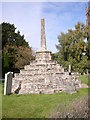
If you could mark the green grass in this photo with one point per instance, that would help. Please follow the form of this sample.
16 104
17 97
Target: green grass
0 100
84 79
35 105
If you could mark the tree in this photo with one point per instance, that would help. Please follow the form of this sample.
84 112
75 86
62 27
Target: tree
15 50
5 62
9 37
72 48
8 33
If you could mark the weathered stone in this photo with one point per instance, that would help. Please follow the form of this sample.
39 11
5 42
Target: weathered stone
43 39
84 85
69 69
8 83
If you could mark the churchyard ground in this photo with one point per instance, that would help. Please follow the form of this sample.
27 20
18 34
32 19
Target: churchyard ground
43 105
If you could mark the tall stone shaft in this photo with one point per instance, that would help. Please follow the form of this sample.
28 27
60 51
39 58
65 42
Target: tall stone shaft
43 38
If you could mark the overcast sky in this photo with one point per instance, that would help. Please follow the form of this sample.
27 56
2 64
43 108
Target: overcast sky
59 17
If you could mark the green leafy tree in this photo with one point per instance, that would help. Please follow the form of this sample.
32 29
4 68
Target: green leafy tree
72 48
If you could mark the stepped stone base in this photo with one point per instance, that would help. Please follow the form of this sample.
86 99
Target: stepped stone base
44 77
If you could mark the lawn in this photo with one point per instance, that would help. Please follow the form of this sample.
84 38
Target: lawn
0 100
84 79
35 105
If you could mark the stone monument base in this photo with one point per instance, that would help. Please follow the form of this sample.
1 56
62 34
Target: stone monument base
43 55
45 77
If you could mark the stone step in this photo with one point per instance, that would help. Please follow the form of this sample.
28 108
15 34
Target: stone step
46 75
38 81
28 67
41 69
38 86
35 64
38 72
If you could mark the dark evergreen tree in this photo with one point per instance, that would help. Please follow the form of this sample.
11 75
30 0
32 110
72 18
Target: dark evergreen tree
15 50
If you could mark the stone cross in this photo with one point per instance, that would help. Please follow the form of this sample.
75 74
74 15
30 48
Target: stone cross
43 39
8 83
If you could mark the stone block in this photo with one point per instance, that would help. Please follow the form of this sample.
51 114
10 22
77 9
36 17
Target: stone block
8 83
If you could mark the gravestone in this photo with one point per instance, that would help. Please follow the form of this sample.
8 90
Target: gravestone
8 83
69 70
